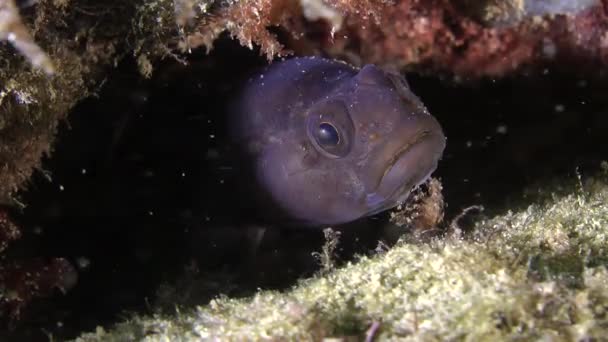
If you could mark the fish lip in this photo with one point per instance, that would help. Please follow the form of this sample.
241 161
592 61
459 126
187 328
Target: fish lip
419 138
401 192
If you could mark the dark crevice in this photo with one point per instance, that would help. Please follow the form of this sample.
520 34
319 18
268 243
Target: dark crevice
140 189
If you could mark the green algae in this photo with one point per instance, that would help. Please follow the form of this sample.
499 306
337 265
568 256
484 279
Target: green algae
539 273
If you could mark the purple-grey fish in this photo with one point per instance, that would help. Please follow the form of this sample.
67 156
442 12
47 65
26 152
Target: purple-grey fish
329 143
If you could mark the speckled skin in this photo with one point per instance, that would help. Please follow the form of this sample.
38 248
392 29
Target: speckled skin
388 143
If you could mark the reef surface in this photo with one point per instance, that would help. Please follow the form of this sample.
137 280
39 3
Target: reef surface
536 273
67 64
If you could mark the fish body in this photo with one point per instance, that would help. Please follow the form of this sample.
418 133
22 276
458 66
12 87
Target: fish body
329 143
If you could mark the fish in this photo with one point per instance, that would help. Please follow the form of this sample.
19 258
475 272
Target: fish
328 143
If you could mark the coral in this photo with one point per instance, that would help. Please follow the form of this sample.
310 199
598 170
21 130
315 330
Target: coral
467 38
473 41
537 273
248 21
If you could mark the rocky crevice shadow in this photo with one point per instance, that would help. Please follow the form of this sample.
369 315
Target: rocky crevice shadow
142 187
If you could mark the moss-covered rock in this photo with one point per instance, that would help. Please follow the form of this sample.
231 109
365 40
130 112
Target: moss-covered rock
534 274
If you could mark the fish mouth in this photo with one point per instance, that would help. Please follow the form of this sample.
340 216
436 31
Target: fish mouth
418 138
409 167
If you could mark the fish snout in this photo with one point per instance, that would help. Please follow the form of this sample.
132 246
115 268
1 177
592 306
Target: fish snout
409 158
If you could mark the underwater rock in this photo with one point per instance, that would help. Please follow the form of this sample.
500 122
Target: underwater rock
82 40
520 275
23 280
473 39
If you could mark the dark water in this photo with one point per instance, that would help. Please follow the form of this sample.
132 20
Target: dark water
141 190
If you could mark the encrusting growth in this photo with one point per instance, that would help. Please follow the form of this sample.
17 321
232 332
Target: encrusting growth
13 30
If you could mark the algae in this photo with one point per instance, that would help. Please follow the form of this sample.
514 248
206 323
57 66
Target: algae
77 42
539 273
535 273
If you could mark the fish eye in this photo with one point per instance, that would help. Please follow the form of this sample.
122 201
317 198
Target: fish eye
330 128
327 135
